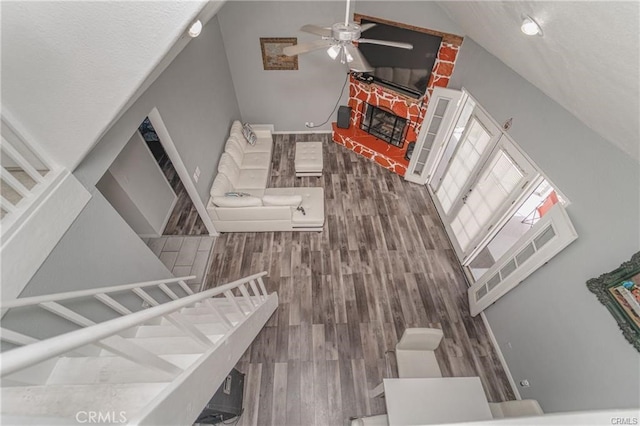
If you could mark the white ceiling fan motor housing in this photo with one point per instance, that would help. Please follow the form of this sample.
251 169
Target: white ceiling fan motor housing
342 32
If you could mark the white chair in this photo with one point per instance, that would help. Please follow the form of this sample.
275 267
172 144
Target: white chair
414 353
380 420
521 408
415 356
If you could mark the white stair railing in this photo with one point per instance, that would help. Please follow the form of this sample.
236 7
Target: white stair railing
106 334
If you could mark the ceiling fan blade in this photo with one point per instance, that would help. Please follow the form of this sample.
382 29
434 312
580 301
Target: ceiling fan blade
386 43
298 49
317 30
365 27
357 62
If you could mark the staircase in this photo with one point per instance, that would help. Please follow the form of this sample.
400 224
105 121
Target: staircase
159 365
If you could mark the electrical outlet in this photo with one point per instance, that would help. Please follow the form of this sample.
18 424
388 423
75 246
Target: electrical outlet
524 383
196 174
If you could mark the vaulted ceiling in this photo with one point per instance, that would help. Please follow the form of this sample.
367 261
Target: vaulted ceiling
587 59
77 65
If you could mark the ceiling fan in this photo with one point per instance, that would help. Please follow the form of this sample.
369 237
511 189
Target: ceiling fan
338 40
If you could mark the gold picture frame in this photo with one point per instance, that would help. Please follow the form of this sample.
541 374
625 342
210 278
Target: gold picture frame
272 56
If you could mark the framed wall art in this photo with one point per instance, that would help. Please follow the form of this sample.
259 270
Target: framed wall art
272 56
619 291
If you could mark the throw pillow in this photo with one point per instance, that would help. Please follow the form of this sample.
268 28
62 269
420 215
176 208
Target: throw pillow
282 200
237 194
249 134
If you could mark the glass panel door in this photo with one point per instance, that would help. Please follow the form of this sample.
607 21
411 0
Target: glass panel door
501 181
473 145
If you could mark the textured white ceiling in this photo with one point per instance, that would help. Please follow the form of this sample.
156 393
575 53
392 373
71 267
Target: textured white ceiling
69 67
587 60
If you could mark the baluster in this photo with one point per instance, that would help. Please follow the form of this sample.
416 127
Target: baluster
178 320
255 290
232 299
145 296
21 161
185 287
219 313
110 302
262 287
168 291
245 294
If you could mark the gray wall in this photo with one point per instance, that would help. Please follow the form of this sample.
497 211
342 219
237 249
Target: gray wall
563 340
148 198
197 102
110 189
288 99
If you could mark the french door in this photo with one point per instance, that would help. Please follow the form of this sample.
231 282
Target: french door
485 175
484 188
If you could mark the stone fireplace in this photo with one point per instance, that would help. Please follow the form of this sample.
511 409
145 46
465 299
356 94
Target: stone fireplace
382 109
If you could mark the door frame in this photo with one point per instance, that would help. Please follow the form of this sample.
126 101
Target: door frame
171 150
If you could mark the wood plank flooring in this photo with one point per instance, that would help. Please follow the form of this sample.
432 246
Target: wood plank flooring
184 219
381 264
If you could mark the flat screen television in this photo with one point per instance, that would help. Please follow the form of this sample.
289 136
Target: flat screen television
406 71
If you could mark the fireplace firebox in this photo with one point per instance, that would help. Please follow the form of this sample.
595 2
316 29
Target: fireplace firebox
384 125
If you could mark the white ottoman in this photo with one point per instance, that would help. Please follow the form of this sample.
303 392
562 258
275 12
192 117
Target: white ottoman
308 161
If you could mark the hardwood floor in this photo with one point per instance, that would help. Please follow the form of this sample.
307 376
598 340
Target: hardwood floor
184 219
381 264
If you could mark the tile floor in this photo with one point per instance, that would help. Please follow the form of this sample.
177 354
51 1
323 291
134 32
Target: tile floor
184 255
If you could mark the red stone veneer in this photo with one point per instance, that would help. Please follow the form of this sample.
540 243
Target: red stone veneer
411 109
388 156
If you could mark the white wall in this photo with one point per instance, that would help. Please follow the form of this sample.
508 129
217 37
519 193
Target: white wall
562 339
288 99
69 67
147 192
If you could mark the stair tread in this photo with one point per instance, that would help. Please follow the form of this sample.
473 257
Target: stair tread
165 330
165 345
111 369
67 400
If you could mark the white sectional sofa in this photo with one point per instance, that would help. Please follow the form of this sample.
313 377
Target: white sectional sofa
245 169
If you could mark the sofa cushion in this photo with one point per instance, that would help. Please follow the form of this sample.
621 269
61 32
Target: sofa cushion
256 160
263 144
242 178
282 200
228 167
235 150
236 130
221 185
312 203
252 179
247 201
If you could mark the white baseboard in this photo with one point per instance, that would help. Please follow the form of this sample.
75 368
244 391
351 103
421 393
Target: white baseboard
304 132
503 361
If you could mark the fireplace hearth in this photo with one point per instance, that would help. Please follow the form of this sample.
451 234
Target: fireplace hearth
383 125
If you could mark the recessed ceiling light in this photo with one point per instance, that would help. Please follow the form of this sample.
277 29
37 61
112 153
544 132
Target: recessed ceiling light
530 27
195 28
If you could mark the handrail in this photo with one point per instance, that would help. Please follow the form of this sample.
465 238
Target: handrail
26 356
56 297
